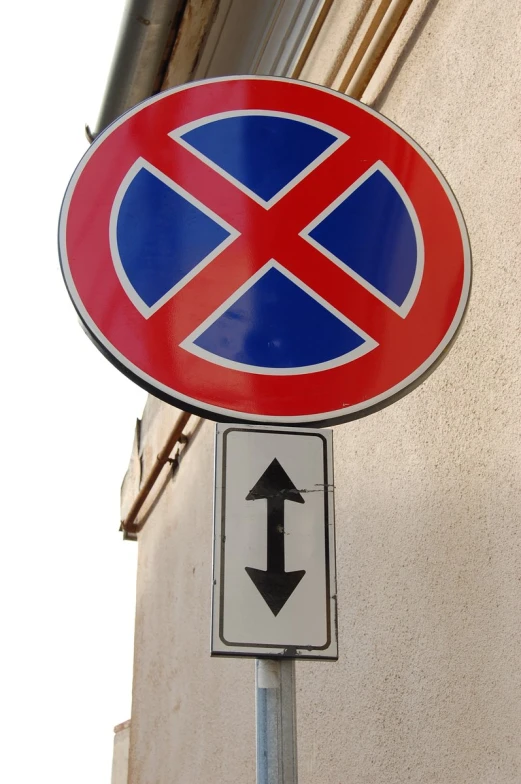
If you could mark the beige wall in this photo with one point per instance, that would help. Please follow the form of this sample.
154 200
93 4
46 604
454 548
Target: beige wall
120 754
428 685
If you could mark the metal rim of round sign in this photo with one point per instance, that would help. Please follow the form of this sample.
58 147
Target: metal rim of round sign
408 344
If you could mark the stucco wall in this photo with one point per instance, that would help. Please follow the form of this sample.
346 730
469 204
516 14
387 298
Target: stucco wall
428 492
120 755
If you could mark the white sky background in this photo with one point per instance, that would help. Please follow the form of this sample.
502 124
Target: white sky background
67 579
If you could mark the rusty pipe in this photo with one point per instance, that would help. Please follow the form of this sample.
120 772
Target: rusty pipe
128 524
375 48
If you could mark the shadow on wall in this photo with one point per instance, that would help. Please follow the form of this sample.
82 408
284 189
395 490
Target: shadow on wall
425 688
381 97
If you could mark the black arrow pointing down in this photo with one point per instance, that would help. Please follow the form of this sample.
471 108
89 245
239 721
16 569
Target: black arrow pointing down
275 584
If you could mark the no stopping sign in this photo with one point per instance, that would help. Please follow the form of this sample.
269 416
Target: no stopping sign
265 250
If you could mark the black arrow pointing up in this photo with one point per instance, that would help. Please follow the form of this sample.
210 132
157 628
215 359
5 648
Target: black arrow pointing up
275 585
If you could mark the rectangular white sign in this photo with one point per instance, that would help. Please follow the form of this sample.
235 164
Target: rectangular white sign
274 586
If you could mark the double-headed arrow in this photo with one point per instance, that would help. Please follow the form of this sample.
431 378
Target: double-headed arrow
275 585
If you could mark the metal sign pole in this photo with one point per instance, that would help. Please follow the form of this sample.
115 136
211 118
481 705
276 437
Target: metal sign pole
276 710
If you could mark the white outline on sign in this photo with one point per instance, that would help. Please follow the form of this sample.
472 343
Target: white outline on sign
131 292
327 416
340 139
189 343
403 309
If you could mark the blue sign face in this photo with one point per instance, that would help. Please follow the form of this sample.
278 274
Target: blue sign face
265 250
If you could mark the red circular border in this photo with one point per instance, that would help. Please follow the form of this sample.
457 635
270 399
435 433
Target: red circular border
148 350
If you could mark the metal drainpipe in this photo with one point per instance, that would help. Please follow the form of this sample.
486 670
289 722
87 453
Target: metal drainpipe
147 28
128 524
145 32
354 84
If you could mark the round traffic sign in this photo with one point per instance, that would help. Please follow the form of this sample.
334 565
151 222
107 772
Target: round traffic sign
265 250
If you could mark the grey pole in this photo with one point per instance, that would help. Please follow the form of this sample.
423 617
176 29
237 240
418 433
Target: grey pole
276 712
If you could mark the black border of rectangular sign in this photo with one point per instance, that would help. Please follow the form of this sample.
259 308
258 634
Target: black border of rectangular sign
288 650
